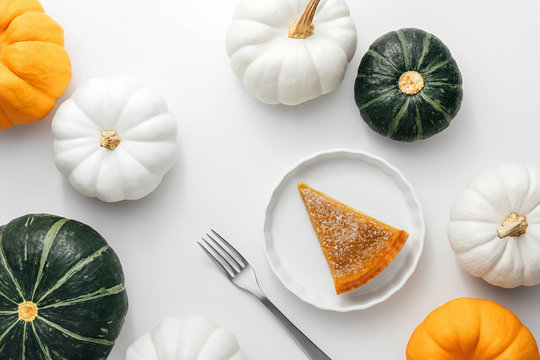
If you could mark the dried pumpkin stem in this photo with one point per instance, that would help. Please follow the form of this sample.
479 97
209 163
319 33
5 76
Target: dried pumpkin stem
109 139
411 82
303 27
27 311
513 225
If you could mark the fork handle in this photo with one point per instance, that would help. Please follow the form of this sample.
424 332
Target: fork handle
311 350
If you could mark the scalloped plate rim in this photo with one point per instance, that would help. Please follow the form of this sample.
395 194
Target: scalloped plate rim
281 273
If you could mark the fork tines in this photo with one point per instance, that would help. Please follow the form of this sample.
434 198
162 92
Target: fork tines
223 254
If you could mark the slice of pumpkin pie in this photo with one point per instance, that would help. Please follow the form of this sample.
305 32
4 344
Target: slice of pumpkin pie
357 246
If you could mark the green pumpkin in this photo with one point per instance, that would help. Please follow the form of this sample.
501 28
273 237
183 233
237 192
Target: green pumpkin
408 85
62 291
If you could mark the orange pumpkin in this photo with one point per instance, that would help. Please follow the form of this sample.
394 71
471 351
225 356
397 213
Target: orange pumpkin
34 66
472 329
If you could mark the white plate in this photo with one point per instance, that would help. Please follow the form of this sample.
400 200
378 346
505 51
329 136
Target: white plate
363 181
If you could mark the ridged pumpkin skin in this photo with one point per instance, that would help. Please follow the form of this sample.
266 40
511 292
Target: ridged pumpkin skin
34 66
506 256
393 113
192 338
114 139
75 279
472 329
278 69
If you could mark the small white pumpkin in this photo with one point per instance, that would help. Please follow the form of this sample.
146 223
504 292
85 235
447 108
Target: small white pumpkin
114 139
285 52
495 226
190 338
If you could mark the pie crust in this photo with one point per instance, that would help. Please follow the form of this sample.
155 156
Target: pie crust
357 246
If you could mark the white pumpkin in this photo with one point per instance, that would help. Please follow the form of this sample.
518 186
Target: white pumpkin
495 226
193 338
285 52
114 139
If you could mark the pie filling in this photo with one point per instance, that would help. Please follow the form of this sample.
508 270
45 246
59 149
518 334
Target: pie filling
357 246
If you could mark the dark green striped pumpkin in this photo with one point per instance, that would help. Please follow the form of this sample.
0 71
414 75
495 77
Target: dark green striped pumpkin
66 272
408 85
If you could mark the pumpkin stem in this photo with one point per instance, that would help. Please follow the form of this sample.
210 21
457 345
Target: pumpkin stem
109 139
513 225
411 82
27 311
303 26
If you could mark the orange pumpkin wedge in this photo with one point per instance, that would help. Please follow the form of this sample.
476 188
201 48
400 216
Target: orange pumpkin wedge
467 328
357 246
34 66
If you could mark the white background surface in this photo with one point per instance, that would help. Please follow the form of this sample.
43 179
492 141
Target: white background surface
233 151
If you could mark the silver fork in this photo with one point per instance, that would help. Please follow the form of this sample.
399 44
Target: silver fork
241 274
